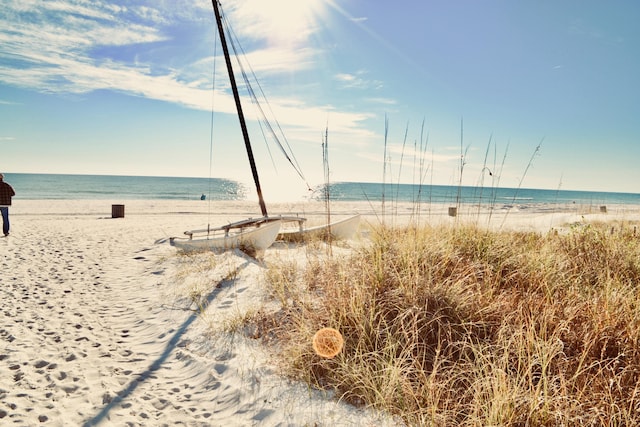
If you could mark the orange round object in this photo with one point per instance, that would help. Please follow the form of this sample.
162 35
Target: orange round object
327 342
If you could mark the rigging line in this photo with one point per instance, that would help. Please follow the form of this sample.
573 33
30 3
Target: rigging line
262 122
231 34
288 155
264 137
265 121
259 105
234 41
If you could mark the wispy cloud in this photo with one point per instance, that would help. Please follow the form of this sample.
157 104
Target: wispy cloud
48 46
357 80
582 28
276 59
78 46
382 101
53 46
138 48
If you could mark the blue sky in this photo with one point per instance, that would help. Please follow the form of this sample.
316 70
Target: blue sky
125 88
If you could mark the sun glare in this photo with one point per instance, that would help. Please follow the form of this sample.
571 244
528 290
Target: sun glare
279 21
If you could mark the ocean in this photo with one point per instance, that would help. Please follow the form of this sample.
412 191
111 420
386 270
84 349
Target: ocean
108 187
504 197
102 187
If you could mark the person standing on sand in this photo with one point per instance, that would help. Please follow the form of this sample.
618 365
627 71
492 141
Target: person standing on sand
6 193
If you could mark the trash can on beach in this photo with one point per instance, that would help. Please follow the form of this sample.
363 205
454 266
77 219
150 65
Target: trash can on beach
117 211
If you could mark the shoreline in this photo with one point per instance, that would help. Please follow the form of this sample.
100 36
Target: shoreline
101 325
313 208
174 217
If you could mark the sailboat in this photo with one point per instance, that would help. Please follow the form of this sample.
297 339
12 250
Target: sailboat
252 235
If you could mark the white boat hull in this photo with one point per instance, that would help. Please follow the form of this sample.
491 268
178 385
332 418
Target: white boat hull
251 240
339 230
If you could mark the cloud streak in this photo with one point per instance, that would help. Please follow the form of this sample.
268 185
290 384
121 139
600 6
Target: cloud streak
135 48
47 46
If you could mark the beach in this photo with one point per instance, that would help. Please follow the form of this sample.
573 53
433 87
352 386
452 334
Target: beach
100 326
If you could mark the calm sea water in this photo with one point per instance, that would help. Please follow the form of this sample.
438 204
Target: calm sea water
353 191
77 187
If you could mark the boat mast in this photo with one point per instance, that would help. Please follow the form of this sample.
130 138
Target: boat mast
236 96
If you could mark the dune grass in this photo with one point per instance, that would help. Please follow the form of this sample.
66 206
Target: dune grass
464 326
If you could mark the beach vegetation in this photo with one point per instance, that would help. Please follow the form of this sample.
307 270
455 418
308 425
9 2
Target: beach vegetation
460 325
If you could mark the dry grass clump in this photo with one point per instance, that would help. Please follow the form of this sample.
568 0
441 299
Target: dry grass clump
463 326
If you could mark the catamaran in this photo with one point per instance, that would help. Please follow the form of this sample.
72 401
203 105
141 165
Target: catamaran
253 235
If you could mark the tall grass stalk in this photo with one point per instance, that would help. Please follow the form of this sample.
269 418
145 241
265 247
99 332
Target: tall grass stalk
327 181
535 153
422 171
463 162
384 164
404 146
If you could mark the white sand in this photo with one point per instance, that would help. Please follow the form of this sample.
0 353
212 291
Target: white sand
97 327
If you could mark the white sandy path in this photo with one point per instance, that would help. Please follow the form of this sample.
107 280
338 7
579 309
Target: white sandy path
94 331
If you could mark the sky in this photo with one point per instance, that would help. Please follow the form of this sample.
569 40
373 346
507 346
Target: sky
531 94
